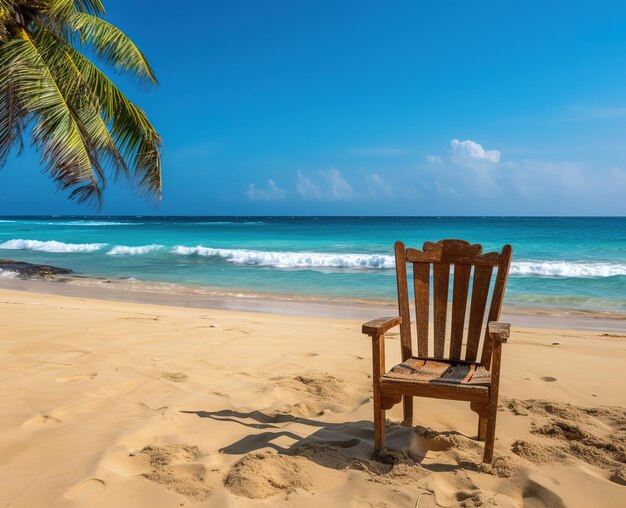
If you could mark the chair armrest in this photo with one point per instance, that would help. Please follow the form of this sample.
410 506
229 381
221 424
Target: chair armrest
376 327
499 332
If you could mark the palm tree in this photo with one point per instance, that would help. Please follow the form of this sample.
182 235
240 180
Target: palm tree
82 125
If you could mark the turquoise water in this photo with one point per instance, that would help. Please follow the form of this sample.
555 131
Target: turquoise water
559 262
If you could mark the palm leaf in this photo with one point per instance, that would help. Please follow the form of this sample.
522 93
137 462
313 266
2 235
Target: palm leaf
134 135
112 45
58 133
78 93
82 124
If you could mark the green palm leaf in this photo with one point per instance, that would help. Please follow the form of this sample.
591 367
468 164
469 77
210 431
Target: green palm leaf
111 44
80 122
57 131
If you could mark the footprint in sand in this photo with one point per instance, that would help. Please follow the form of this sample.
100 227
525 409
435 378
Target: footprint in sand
238 330
40 419
67 356
85 488
176 377
352 357
123 463
160 410
548 379
76 379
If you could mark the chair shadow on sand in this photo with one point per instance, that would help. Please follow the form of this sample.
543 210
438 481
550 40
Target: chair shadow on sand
346 445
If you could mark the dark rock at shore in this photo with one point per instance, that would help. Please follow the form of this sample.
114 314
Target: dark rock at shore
30 270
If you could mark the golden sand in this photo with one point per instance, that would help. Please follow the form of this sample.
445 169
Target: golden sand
124 404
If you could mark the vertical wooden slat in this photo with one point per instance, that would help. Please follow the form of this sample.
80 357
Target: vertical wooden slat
496 300
378 357
459 305
421 286
490 436
480 290
441 281
403 301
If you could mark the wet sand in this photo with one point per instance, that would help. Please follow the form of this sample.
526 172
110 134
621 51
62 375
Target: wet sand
129 290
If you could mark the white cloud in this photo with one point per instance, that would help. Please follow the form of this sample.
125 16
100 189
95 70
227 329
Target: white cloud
271 193
331 186
434 159
307 189
470 154
378 187
339 187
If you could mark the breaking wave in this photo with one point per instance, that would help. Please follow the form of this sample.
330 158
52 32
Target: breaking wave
566 269
87 223
283 259
315 260
125 250
7 274
50 246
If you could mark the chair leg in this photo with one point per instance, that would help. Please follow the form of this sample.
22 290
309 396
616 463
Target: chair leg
490 436
379 424
407 407
482 428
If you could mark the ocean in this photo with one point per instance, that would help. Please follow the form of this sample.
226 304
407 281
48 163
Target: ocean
558 262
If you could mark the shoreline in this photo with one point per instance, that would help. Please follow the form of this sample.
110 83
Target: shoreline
117 290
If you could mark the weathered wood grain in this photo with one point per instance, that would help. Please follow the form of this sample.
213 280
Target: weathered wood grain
444 377
381 325
480 291
459 306
441 281
421 287
403 301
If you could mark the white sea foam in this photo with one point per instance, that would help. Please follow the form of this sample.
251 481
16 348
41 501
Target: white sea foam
125 250
50 246
566 269
283 259
7 274
87 223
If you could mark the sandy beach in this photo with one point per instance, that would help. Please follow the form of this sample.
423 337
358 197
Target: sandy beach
124 404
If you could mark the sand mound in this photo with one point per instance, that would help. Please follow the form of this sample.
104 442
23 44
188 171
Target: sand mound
265 474
566 432
538 454
323 386
323 392
172 468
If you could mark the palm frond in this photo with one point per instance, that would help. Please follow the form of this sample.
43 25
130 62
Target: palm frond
58 133
112 45
6 13
65 6
78 93
82 125
89 6
11 117
134 135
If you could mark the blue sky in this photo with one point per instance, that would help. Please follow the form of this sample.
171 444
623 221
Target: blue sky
412 108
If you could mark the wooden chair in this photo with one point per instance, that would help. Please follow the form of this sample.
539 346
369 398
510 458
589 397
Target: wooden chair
452 373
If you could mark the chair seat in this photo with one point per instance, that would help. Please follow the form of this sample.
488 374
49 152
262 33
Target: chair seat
439 371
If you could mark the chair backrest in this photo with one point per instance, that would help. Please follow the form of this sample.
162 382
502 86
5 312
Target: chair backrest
468 262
